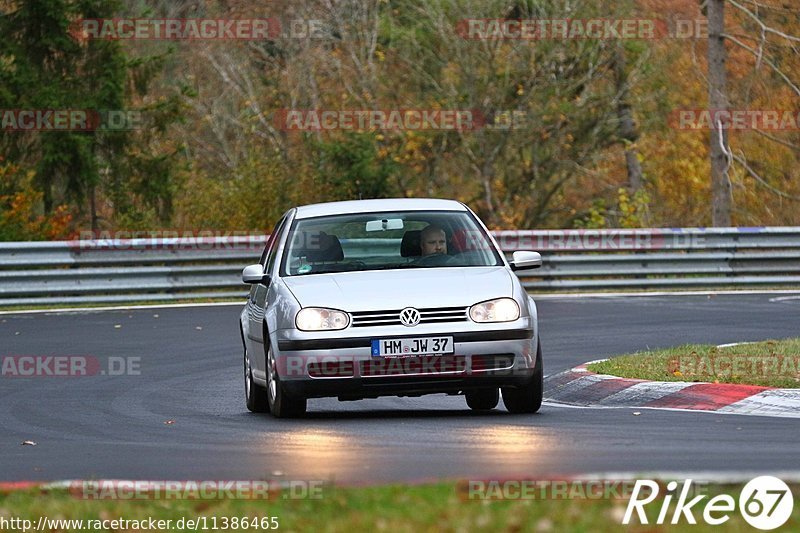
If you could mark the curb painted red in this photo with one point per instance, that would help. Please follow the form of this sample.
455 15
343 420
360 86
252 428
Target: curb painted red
12 486
707 396
579 386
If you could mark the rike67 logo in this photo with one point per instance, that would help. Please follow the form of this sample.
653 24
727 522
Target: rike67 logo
765 503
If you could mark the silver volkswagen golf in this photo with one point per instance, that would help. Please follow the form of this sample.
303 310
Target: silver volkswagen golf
399 297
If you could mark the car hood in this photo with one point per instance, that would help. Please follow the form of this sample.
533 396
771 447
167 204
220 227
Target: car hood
396 289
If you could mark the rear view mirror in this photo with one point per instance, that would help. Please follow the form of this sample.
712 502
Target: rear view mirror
385 224
526 260
254 274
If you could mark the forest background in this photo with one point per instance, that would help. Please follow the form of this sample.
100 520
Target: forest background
580 133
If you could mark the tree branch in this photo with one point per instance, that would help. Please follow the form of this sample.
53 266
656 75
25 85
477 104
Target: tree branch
777 140
767 61
764 27
742 161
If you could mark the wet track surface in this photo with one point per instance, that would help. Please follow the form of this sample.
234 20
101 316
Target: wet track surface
183 417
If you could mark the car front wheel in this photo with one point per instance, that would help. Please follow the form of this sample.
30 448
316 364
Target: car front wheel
482 400
527 399
281 405
255 395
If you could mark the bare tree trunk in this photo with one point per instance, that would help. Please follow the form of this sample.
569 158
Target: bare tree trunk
487 175
627 127
93 208
718 101
47 197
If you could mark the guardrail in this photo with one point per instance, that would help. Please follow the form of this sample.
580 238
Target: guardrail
127 270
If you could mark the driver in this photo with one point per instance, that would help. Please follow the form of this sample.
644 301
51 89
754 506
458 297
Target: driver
432 240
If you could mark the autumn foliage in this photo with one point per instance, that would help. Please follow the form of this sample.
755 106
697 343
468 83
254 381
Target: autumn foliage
212 155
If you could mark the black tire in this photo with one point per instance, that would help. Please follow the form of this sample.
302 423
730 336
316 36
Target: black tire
281 405
482 399
527 399
255 395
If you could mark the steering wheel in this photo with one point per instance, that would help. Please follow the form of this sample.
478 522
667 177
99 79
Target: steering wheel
433 260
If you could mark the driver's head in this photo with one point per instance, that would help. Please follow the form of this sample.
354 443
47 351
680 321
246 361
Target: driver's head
432 240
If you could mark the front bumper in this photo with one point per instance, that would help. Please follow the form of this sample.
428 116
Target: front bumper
345 367
365 342
360 388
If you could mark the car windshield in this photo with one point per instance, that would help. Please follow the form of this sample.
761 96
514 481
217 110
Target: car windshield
385 241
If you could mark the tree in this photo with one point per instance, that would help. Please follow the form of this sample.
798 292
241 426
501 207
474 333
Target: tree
773 53
627 126
558 93
718 103
48 66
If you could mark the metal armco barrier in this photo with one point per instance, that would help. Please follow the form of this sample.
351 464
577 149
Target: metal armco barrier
129 270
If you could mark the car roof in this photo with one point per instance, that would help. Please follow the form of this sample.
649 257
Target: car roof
369 206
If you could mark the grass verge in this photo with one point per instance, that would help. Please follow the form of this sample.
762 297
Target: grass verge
433 507
774 363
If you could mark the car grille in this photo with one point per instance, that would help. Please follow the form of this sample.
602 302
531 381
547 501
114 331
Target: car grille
483 362
402 366
392 318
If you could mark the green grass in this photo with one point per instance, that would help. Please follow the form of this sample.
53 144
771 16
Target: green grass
433 507
774 363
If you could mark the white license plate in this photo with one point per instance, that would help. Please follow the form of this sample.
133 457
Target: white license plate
413 346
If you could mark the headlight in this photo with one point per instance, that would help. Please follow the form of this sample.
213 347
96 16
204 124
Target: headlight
500 310
320 319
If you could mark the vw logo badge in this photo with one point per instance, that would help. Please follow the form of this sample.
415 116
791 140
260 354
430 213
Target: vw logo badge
409 317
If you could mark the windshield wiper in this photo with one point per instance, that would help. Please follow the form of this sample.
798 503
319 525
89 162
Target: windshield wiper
388 267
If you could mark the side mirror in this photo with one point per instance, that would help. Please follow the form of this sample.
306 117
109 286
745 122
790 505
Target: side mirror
526 260
254 274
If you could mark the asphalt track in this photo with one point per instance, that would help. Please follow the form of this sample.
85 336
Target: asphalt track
184 417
